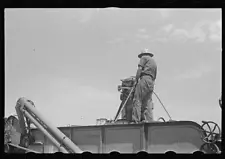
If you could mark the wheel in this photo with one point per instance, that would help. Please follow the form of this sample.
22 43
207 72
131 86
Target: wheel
211 136
210 148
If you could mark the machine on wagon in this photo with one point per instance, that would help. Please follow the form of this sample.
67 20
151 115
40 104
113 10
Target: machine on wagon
108 135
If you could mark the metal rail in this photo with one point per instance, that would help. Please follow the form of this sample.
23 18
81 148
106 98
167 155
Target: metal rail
17 146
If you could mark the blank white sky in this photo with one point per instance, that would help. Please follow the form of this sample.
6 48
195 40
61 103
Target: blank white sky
70 61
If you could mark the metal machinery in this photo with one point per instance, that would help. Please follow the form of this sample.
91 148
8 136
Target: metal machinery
108 135
26 114
212 140
125 88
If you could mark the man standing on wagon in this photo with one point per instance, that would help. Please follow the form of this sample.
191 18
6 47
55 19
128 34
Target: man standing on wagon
145 78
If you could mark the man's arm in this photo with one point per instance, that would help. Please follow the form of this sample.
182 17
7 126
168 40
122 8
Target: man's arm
140 68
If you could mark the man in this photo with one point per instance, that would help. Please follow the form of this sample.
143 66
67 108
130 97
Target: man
145 78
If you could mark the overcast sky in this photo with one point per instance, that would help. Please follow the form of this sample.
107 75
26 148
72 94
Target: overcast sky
69 62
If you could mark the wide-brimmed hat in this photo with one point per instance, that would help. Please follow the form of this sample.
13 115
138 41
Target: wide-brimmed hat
145 52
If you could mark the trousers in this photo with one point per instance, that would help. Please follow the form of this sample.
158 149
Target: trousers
127 111
142 101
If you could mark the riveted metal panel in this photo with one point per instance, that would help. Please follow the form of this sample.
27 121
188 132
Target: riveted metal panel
66 131
87 139
123 139
177 138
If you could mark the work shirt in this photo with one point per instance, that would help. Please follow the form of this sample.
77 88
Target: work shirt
149 66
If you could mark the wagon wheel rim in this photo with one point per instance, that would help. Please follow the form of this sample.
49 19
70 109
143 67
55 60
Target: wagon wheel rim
209 148
210 133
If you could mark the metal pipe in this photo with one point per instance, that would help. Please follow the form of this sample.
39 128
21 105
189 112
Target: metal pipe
38 125
17 146
61 137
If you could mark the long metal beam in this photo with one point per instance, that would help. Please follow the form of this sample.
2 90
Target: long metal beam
61 137
38 125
